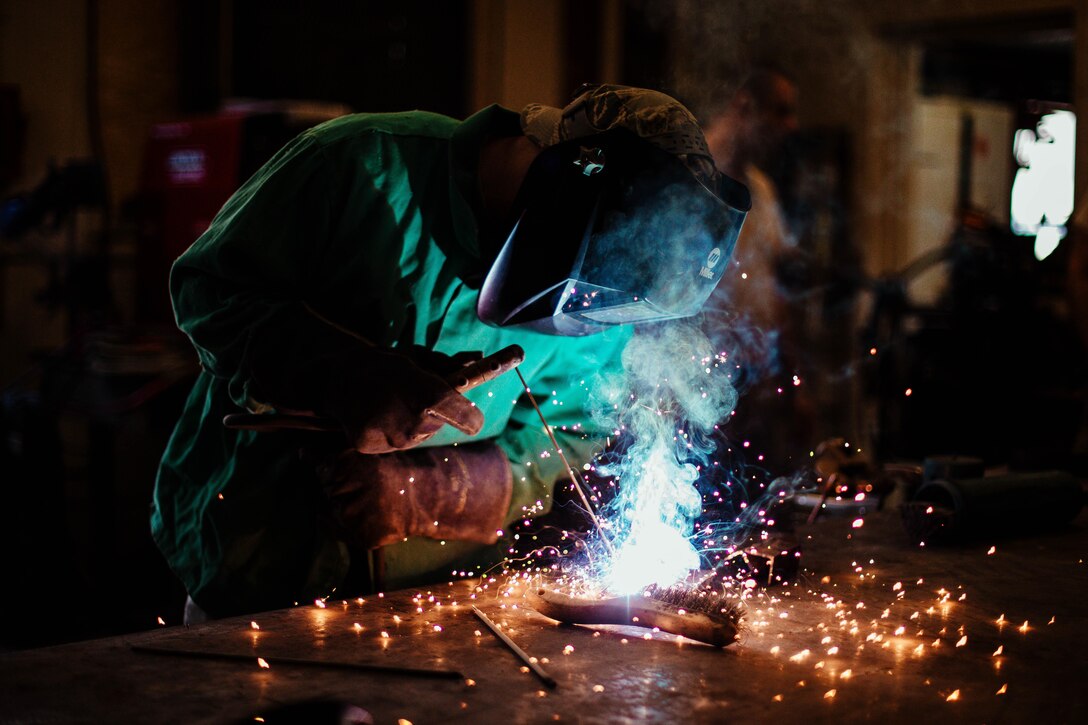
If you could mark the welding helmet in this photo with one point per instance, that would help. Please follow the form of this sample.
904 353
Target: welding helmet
612 228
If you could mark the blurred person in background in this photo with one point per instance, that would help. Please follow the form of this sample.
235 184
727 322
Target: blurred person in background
750 311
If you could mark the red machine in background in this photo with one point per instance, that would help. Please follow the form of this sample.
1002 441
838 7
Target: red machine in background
191 168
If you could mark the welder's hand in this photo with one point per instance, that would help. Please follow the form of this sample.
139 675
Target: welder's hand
392 400
459 493
386 399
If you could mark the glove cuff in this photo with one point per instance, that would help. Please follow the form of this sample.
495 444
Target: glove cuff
460 493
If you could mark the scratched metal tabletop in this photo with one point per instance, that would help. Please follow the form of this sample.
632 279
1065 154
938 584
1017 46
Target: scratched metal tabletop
876 629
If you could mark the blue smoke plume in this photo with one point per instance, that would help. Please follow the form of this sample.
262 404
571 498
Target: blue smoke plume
674 391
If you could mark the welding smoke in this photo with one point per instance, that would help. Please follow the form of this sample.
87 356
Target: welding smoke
665 405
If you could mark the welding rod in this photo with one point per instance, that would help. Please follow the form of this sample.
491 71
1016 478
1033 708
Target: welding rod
529 661
466 378
250 658
570 471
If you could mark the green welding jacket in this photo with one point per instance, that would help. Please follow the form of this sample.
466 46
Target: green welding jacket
370 221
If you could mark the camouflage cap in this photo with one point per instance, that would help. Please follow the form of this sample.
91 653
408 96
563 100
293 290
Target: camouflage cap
653 116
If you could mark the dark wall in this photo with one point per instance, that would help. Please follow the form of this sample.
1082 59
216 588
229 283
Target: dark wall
370 56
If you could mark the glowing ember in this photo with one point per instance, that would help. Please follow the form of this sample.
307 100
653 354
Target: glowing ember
998 651
263 663
830 694
161 620
858 523
953 697
1003 689
320 604
254 625
962 641
992 550
1024 627
598 688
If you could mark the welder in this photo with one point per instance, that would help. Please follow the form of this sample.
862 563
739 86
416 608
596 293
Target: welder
365 262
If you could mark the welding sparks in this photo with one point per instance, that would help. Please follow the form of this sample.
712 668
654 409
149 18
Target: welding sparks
673 393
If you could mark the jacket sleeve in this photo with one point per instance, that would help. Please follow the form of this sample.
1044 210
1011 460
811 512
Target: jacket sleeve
239 291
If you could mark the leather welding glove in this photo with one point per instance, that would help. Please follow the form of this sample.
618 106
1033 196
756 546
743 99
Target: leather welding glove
389 400
385 399
461 493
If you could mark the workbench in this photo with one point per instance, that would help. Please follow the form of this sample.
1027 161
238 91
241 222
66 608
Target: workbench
877 628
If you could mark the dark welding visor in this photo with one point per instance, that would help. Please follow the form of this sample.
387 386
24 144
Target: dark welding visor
612 230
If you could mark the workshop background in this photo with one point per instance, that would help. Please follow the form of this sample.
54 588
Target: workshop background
898 189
